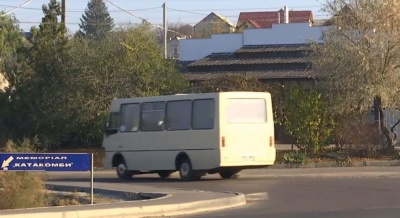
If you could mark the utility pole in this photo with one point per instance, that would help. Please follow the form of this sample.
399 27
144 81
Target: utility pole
165 26
63 11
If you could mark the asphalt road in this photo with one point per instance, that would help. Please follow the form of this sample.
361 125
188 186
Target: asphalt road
332 192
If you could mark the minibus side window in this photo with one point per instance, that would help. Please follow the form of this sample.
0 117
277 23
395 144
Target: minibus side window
152 116
203 114
130 114
178 115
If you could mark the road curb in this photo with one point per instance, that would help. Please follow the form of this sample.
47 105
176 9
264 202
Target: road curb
135 196
339 164
137 208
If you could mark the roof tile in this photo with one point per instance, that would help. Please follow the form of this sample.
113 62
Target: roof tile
294 74
267 18
274 48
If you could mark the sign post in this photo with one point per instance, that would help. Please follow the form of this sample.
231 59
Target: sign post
91 179
49 162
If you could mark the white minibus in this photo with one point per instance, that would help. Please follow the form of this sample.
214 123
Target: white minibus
193 134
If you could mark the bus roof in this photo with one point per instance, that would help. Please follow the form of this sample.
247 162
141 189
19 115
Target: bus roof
185 96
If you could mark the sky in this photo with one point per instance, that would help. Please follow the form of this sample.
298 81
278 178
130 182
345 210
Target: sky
178 11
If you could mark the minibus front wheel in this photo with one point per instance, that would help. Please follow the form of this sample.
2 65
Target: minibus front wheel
123 172
185 170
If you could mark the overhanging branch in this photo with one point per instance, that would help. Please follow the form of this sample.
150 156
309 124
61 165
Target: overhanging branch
392 129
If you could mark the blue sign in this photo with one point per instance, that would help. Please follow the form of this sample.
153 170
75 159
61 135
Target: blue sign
45 162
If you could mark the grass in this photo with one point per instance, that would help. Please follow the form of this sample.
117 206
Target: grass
21 190
330 155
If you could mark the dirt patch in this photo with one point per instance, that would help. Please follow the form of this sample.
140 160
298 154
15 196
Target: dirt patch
60 198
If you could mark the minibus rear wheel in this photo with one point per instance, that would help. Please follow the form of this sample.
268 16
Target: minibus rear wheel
228 173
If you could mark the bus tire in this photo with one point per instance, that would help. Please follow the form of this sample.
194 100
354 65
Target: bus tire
228 173
123 172
186 171
164 174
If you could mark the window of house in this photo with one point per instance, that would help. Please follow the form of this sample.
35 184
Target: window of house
130 114
152 116
246 111
203 114
179 115
175 50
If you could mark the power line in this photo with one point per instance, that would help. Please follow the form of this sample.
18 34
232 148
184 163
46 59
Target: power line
16 8
81 11
186 11
266 20
145 20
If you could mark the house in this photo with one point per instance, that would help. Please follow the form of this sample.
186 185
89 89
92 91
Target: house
173 47
191 50
273 55
278 64
266 19
265 62
213 23
3 82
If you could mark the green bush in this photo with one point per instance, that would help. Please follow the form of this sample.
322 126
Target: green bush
295 157
26 146
21 189
307 119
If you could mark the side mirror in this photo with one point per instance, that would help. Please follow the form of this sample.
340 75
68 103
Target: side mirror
111 131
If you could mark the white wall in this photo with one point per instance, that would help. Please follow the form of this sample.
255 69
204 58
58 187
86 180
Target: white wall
293 33
195 49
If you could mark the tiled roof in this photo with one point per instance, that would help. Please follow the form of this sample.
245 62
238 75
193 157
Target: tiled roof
273 48
294 74
219 16
261 62
225 19
214 60
267 18
218 59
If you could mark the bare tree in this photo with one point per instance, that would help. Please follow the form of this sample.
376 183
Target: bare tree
175 30
358 65
180 30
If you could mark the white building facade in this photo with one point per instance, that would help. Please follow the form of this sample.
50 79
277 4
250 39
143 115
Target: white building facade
290 33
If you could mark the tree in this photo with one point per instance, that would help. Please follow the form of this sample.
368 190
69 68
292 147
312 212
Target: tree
179 30
127 63
96 22
36 79
307 119
240 82
175 30
359 62
10 39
